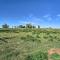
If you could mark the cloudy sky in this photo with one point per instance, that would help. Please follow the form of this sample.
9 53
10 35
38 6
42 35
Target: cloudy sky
45 13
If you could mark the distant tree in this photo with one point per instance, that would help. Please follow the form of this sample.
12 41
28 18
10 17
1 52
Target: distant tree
5 26
50 27
33 26
28 25
38 26
21 26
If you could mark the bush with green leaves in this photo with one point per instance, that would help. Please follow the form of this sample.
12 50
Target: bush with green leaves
38 56
55 56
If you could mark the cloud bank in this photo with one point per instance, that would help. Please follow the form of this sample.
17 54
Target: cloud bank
46 20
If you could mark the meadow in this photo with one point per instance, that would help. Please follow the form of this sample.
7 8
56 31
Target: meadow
28 44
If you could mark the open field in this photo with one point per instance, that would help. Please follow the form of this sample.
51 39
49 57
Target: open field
28 44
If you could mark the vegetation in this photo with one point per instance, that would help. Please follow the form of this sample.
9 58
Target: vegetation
27 43
21 26
55 56
38 56
5 26
38 26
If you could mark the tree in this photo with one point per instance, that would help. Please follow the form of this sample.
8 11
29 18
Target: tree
28 25
33 26
38 26
5 26
21 26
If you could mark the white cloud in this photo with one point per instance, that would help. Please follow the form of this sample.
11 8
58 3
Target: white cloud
58 15
36 20
47 17
57 18
31 19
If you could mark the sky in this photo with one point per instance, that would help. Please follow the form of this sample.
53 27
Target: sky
45 13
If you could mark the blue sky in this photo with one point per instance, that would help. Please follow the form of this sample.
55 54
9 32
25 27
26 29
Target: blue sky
45 13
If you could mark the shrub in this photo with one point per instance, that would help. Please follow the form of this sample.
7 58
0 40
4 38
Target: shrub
30 38
37 36
55 56
29 57
23 38
45 37
51 39
38 56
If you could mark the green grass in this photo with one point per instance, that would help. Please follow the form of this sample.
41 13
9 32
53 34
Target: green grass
37 56
55 56
21 44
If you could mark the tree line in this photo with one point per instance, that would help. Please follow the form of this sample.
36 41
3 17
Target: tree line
20 26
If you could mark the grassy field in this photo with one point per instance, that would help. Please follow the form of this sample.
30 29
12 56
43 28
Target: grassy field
28 44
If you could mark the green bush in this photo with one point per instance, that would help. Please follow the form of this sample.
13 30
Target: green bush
55 56
37 56
51 39
23 38
37 36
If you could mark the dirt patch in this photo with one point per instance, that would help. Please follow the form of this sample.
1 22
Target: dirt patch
53 51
